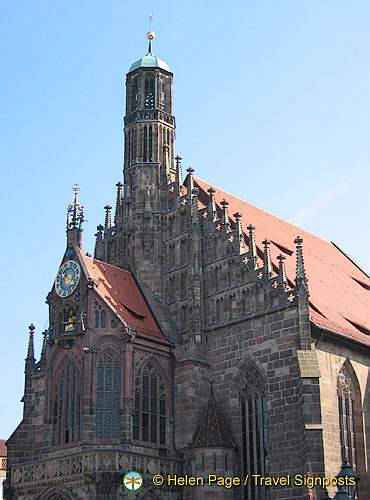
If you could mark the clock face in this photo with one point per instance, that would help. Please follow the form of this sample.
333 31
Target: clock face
67 278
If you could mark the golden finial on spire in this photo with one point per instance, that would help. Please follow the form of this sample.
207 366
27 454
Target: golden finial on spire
151 34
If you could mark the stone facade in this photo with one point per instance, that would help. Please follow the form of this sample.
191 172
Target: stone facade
228 325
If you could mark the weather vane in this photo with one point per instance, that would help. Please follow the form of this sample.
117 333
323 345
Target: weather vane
151 34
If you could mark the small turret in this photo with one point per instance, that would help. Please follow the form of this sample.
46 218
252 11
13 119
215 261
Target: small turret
30 360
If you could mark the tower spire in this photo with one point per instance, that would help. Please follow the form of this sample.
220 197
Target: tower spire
151 34
75 219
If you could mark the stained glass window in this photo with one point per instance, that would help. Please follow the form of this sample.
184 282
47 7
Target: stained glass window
150 415
108 375
254 430
346 413
66 410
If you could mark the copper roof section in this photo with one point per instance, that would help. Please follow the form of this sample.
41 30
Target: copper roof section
213 431
119 289
339 293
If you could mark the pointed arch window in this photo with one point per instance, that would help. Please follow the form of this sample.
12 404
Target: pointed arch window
254 429
150 415
347 413
66 407
108 381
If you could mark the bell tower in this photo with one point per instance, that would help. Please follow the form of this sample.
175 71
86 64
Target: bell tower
149 133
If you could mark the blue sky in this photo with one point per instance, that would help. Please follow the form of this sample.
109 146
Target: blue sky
271 100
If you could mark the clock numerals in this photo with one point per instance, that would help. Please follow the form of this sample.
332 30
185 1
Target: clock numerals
67 278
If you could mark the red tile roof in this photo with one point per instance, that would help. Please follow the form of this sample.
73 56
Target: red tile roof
121 292
3 450
339 290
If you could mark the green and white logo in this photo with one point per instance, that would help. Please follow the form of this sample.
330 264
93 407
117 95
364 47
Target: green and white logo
132 481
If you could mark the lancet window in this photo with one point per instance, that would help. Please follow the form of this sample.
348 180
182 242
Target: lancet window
150 415
108 381
254 429
67 410
347 413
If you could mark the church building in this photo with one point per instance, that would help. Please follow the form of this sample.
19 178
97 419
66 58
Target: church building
205 338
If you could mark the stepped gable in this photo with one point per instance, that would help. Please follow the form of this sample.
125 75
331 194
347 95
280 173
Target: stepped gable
119 289
339 290
213 431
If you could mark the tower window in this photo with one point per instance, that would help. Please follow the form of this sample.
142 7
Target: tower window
150 155
150 415
145 143
149 92
254 430
108 376
67 411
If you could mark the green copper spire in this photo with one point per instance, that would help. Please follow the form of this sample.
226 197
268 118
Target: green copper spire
150 60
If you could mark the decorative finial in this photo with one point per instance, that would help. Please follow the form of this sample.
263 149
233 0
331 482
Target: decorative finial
119 200
107 209
178 177
252 253
30 360
225 214
75 211
267 268
282 273
301 279
212 211
151 34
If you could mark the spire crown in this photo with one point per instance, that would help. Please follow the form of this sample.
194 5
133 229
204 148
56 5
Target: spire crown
301 278
30 360
75 211
150 60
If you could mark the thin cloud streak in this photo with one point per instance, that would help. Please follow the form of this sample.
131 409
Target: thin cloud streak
333 194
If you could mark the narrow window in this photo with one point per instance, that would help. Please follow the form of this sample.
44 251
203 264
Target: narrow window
103 319
254 430
107 397
145 143
150 414
150 144
97 319
66 419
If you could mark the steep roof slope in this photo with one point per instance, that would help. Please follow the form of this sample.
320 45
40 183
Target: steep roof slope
119 289
339 290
